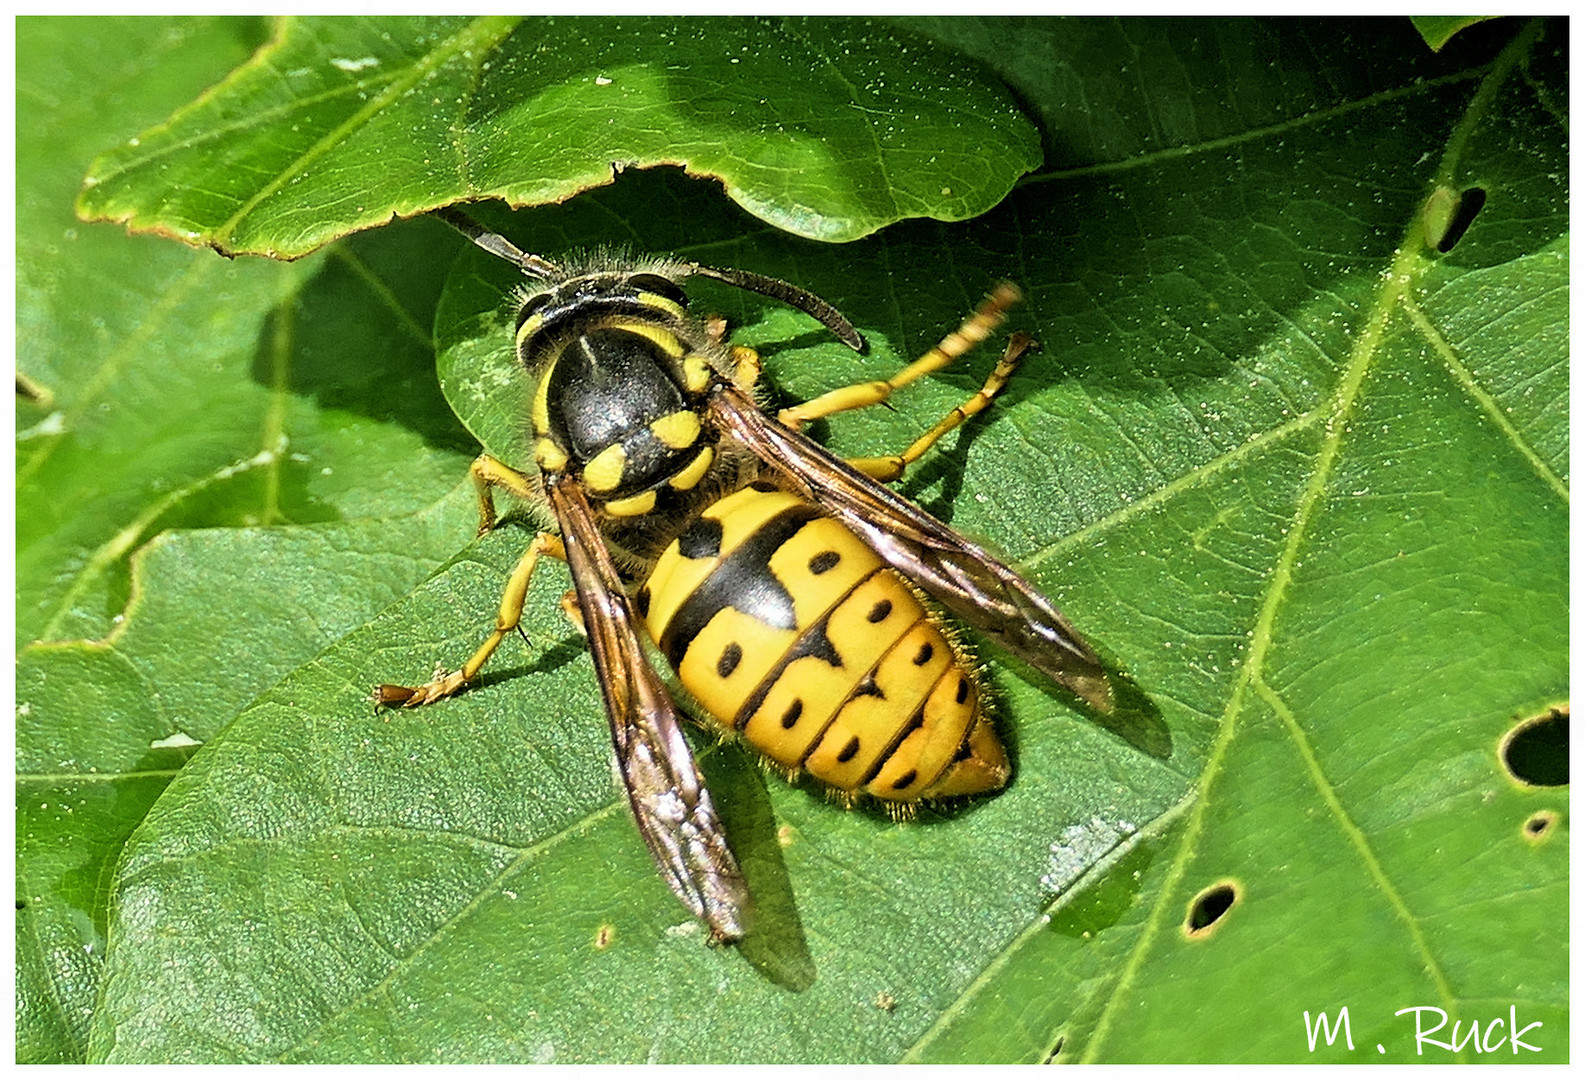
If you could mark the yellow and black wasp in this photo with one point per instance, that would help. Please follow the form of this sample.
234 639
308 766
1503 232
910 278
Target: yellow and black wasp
786 586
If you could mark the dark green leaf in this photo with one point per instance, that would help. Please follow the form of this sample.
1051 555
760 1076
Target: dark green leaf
828 129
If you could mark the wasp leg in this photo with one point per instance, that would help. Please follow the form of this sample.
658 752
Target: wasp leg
975 329
746 365
570 608
489 473
746 368
506 620
890 468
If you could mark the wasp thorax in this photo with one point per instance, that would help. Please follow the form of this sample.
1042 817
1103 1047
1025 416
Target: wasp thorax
611 406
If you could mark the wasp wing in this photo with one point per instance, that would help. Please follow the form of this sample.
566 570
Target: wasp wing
669 799
958 573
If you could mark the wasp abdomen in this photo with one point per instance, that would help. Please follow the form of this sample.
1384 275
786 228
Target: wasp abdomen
791 630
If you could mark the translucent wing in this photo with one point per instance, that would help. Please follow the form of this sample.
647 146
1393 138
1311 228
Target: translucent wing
958 573
668 796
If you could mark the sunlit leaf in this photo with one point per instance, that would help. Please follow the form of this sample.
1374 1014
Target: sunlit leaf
828 129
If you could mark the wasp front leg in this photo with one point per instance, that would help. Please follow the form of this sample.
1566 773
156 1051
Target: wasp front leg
489 473
506 621
746 366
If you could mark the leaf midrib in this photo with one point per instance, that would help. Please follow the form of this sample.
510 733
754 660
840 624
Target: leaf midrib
1153 158
1394 293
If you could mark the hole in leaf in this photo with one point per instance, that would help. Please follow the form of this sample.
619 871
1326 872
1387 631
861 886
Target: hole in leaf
1209 906
1535 751
604 936
1055 1050
22 905
1449 214
1539 825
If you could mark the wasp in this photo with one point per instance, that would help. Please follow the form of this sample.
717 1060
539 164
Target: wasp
793 593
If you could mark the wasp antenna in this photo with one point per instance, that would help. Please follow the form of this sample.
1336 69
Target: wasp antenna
802 299
495 243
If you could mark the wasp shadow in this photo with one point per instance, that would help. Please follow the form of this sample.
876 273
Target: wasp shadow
775 945
1134 717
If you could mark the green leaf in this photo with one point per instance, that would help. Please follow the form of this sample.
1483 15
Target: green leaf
178 390
1302 473
1438 30
828 129
70 829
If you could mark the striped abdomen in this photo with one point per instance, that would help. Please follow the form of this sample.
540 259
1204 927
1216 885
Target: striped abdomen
791 630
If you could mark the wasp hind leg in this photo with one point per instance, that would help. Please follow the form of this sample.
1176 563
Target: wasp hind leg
890 468
487 473
975 329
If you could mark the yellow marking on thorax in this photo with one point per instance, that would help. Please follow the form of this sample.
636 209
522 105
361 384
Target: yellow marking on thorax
603 472
697 372
694 471
548 456
529 328
633 505
655 300
677 430
662 337
542 401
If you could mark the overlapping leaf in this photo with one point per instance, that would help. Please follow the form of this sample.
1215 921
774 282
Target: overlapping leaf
830 129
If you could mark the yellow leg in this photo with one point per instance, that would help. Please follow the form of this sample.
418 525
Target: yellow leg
489 473
747 369
974 330
506 620
889 468
574 613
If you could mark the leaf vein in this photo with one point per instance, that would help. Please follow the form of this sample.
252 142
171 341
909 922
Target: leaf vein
1394 287
478 34
1482 397
312 1037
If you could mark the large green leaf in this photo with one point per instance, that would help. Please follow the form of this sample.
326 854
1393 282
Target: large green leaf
177 389
1303 474
827 129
